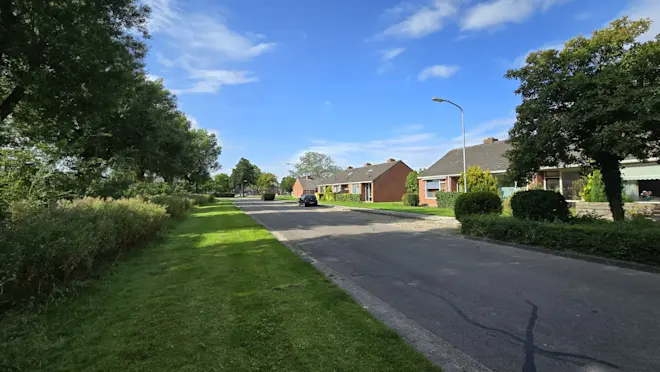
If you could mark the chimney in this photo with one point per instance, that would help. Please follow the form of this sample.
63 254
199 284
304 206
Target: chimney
349 167
391 160
490 140
367 164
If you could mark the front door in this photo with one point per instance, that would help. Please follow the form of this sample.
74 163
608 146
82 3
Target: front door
367 192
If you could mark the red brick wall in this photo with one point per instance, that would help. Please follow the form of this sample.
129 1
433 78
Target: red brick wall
391 185
297 189
422 195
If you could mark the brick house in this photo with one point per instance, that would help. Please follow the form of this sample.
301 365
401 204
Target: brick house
444 174
304 185
384 182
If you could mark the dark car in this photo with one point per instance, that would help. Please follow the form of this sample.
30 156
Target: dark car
307 200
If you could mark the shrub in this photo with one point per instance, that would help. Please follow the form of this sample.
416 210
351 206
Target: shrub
47 248
478 180
224 194
412 183
175 205
411 200
319 196
540 205
620 240
594 190
479 202
446 199
268 196
355 198
201 199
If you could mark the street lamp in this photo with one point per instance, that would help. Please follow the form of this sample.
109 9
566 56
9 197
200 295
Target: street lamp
441 100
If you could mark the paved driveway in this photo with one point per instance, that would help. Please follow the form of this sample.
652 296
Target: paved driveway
508 308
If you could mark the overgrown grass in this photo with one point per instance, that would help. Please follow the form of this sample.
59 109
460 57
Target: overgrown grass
398 207
218 294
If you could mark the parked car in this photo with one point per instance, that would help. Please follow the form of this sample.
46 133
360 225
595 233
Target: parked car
307 200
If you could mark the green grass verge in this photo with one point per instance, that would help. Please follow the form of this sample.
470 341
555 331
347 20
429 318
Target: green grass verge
220 293
399 207
285 197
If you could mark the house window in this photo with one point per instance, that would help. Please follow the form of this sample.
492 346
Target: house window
336 188
433 186
552 180
355 188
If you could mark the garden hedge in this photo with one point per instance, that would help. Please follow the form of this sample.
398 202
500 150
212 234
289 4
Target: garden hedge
47 248
446 199
175 205
411 200
628 241
477 202
344 197
224 194
268 196
540 205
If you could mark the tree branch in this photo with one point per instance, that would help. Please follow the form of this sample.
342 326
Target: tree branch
9 103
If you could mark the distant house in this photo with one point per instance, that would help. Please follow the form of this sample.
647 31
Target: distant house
443 175
304 185
384 182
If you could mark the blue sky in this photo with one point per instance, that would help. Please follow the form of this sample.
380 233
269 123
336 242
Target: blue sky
354 79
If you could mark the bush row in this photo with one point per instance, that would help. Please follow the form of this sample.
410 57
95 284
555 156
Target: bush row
623 241
540 205
345 197
411 200
224 194
478 202
446 199
268 196
43 248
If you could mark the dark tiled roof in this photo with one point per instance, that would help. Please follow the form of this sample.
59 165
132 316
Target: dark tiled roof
307 184
362 174
489 156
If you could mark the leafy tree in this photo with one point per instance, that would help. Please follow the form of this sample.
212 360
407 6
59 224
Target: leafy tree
287 183
594 190
594 103
59 58
222 183
267 181
314 164
244 173
201 156
412 183
479 180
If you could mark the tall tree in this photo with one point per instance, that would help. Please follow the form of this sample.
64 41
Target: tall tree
244 173
60 57
594 103
222 183
314 164
201 156
287 183
267 181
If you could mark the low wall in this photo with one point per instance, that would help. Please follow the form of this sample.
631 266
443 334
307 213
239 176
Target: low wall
650 209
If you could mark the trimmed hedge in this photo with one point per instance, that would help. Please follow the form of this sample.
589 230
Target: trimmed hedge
201 199
50 247
268 196
224 194
626 241
446 199
540 205
355 198
411 200
175 205
477 202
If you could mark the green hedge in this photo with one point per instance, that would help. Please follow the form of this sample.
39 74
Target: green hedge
626 241
175 205
540 205
477 202
411 200
201 199
344 197
446 199
50 247
268 196
224 194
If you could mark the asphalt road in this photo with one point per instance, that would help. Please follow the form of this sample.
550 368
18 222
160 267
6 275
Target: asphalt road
508 308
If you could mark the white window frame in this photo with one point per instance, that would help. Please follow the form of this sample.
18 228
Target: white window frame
336 188
355 188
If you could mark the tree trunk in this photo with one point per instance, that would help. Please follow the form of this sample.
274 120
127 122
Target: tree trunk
140 175
9 103
613 184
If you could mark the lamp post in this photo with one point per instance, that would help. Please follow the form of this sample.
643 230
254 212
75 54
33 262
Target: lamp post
440 100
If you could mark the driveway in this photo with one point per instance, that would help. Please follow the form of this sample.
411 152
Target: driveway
508 308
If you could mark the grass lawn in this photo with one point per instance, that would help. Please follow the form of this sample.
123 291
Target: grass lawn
219 293
399 207
285 197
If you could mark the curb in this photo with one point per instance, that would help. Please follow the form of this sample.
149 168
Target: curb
405 215
570 254
436 349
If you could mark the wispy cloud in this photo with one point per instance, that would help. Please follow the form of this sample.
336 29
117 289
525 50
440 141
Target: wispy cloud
419 21
389 54
438 71
203 44
637 9
491 14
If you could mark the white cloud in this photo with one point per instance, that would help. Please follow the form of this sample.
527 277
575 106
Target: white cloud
203 43
194 124
645 9
522 59
152 77
439 71
499 12
389 54
421 21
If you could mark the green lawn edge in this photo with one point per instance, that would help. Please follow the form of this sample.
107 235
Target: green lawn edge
218 293
397 207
